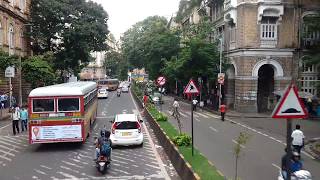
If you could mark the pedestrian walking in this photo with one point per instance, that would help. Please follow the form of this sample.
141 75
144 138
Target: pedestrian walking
222 111
194 103
24 119
15 115
175 106
297 139
145 100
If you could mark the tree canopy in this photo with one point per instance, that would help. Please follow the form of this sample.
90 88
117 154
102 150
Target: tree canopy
148 43
71 29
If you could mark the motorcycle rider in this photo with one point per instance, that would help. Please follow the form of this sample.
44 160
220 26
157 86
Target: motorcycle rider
295 164
101 141
118 91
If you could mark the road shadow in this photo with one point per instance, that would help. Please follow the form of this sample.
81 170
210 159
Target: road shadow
56 147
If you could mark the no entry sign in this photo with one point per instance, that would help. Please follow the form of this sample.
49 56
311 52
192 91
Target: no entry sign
161 80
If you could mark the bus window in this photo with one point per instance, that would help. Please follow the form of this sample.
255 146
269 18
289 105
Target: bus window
68 104
43 105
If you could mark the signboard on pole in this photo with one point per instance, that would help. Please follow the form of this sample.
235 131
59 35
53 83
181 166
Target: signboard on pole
220 78
9 72
161 80
290 105
191 88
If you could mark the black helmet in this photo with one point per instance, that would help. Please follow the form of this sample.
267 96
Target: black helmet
103 132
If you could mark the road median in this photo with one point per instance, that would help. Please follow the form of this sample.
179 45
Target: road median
188 167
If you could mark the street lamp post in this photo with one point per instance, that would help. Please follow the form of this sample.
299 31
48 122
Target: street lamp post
220 67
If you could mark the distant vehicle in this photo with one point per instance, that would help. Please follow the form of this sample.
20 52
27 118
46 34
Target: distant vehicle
62 112
125 89
126 130
156 98
109 84
102 93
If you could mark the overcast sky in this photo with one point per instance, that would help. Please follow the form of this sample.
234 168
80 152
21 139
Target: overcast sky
125 13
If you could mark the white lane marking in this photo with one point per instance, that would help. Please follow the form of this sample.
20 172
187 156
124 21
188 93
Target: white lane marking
8 148
40 172
201 114
12 141
182 114
307 154
8 144
5 126
234 141
276 166
4 157
45 167
197 119
213 116
163 170
213 129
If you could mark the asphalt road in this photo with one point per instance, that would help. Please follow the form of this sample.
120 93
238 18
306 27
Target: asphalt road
261 156
19 160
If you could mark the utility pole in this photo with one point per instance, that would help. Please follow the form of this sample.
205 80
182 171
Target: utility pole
220 67
20 83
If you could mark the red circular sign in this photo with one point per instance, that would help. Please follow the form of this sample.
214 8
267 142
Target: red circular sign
161 80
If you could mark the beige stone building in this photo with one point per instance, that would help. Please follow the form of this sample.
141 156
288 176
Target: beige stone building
264 41
14 22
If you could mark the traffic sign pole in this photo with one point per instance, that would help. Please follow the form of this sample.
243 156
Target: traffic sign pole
289 149
192 126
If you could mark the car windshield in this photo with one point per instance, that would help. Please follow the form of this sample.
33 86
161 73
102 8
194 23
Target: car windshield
126 125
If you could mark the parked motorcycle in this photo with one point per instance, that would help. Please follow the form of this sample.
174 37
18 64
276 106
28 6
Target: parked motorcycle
102 164
298 175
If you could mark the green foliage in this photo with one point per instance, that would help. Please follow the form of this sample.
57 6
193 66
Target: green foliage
182 140
116 65
37 71
7 60
161 117
71 29
148 43
185 8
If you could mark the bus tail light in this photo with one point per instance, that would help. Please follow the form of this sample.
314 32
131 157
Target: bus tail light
77 120
35 122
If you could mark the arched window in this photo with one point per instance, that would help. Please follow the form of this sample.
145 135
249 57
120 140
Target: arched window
21 39
11 39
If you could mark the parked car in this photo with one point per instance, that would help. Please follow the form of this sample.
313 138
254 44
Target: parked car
156 98
125 89
126 130
102 93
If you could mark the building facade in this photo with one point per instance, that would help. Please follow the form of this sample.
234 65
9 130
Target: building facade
264 43
14 22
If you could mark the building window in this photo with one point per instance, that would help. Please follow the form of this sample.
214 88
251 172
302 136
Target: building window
21 39
269 28
232 33
22 5
309 79
11 39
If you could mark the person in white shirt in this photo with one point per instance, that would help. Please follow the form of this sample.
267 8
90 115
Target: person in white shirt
194 103
175 106
297 139
15 120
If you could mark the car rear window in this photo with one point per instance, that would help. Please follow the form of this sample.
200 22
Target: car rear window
126 125
102 91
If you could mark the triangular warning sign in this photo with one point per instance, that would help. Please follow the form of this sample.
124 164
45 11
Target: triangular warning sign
191 88
290 106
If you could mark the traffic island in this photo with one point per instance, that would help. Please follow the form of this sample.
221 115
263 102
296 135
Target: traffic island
313 148
188 167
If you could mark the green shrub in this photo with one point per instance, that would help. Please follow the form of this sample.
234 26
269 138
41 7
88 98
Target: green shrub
161 117
182 140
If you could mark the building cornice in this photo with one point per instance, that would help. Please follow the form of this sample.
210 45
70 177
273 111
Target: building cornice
260 52
13 13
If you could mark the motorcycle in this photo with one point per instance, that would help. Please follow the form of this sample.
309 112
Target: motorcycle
102 164
298 175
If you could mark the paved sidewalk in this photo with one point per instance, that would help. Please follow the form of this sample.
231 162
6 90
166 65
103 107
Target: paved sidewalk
4 114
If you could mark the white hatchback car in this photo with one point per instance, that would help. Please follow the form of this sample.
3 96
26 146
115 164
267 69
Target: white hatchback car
102 93
126 130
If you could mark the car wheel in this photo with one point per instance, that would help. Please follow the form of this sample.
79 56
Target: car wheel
140 145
